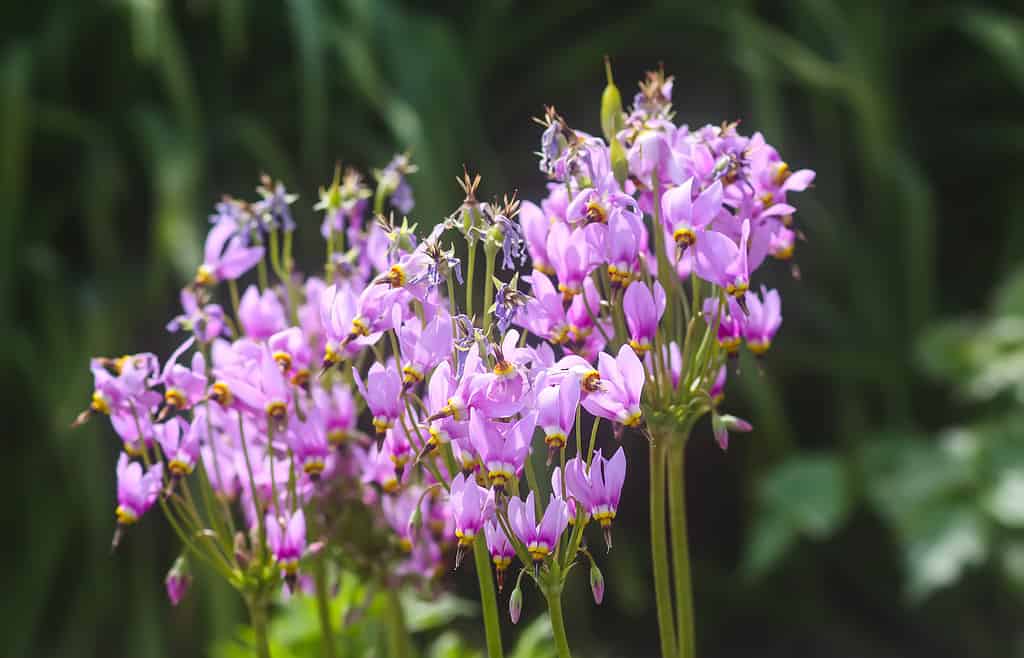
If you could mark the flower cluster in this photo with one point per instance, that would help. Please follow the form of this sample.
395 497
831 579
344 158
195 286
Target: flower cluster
372 417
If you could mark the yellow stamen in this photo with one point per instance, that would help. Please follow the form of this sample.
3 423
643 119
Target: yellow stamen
175 398
633 419
99 403
759 347
221 394
284 359
684 236
125 516
204 276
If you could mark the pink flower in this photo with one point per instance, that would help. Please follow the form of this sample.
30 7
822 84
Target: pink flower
621 383
286 538
540 539
136 491
222 264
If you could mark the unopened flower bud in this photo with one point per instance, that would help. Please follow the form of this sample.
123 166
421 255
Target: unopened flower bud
178 580
596 583
515 604
611 106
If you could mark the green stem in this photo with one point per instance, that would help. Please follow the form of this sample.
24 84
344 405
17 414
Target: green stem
398 634
681 548
490 251
558 623
488 599
323 607
258 617
470 275
659 549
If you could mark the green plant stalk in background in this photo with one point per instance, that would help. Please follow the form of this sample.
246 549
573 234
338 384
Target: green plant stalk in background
680 545
257 604
488 599
659 548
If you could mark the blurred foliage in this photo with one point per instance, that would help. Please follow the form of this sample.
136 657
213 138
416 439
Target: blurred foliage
122 121
295 630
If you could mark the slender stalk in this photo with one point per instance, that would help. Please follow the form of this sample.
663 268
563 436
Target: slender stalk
558 623
470 275
488 599
398 634
258 618
490 252
681 549
659 549
323 607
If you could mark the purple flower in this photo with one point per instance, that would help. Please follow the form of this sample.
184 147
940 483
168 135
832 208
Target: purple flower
764 319
222 263
180 443
556 413
618 395
261 315
502 449
626 235
308 441
721 425
730 323
573 254
471 506
643 312
178 580
722 262
273 209
207 322
424 347
338 409
122 385
286 538
540 539
500 549
184 387
544 312
536 227
382 392
136 491
600 488
717 390
684 217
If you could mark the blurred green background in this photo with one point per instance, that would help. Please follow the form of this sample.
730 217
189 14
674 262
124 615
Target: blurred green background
878 509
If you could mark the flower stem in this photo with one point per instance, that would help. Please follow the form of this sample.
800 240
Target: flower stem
398 634
258 617
659 549
558 623
323 606
681 549
490 253
488 599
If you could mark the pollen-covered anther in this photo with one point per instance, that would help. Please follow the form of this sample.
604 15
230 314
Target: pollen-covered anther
405 544
125 516
633 419
300 377
284 359
538 550
567 293
759 347
782 172
99 403
337 437
604 515
276 409
382 424
640 348
730 344
504 368
179 468
359 327
205 276
313 467
555 440
221 394
390 485
175 398
465 537
684 236
396 276
595 212
411 375
591 381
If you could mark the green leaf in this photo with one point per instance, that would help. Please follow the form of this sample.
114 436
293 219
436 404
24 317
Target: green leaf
809 493
770 540
941 544
1005 500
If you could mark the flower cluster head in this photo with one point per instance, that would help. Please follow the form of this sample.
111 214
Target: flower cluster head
383 415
